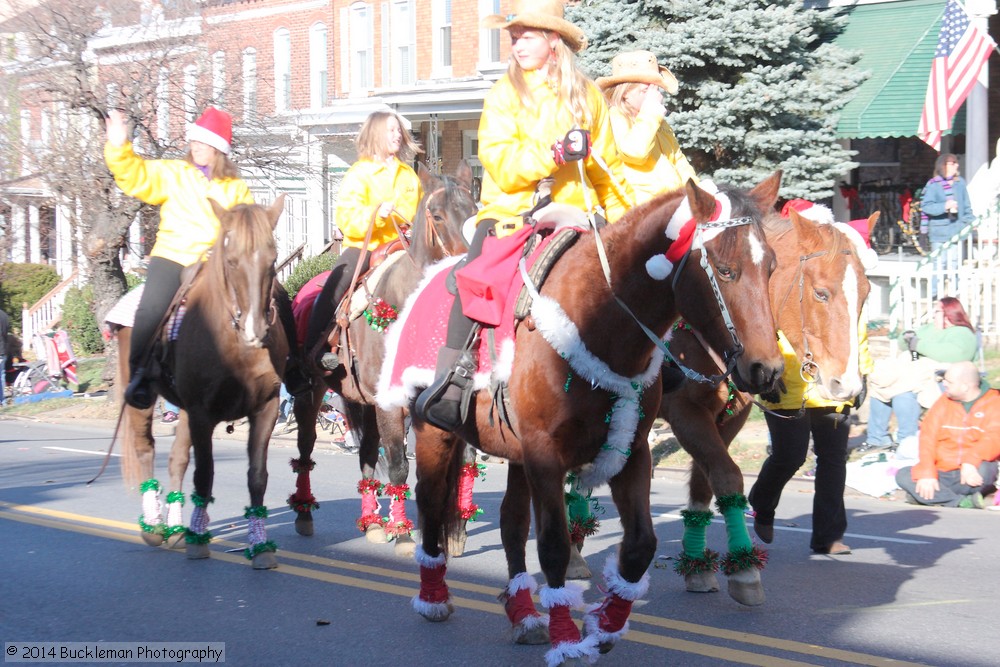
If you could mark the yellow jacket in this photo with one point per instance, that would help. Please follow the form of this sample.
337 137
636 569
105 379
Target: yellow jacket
188 227
367 185
797 387
515 149
654 162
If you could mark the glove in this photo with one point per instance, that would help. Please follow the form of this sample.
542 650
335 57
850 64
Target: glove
774 396
863 394
574 146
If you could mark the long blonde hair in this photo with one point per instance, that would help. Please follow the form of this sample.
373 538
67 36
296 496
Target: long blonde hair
371 142
573 84
615 95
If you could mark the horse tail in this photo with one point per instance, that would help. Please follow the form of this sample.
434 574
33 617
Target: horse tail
129 420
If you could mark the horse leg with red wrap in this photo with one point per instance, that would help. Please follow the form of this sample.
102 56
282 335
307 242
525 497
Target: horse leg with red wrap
371 523
467 510
607 621
302 501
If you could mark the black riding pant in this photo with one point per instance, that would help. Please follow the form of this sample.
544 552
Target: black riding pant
789 447
334 289
163 279
459 326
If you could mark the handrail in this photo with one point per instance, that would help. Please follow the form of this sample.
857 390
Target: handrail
287 262
47 311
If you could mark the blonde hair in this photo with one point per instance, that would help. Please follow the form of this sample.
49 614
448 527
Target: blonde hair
615 95
221 166
572 83
371 141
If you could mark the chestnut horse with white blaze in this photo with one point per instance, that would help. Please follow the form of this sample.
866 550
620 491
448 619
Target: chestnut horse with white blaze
817 293
584 390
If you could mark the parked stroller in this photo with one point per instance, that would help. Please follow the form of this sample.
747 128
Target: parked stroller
54 371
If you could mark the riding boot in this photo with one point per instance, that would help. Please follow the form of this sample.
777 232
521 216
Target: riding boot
138 393
671 377
297 381
441 404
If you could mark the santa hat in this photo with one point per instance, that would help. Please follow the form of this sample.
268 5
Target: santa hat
807 209
214 128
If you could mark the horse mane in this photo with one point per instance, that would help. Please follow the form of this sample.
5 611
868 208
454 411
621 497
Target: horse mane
251 229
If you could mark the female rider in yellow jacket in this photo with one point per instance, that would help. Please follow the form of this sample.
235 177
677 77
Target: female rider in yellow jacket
654 162
379 191
188 227
542 98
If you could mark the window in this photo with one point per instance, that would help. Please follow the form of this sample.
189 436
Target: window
163 106
360 49
249 82
282 69
402 26
218 78
489 40
317 66
442 38
190 93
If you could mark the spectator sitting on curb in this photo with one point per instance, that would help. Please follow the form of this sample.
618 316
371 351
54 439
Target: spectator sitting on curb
959 443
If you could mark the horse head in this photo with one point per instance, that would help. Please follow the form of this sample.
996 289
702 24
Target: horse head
721 280
447 204
243 260
817 293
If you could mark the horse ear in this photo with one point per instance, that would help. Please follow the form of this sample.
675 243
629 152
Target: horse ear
809 236
427 179
872 221
766 193
219 210
463 173
702 203
274 210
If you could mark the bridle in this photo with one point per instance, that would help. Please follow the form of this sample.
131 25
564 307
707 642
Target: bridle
235 312
433 234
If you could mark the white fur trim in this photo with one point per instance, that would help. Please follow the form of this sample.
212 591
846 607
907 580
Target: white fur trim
521 582
819 213
206 136
432 611
570 595
868 257
683 212
659 267
385 398
626 590
531 622
423 560
586 650
592 627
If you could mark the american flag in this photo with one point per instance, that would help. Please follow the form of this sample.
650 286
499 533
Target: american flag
962 50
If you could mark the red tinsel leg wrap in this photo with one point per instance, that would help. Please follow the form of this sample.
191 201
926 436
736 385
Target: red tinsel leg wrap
466 480
369 488
398 523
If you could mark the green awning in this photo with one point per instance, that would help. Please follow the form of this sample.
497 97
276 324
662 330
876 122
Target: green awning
897 40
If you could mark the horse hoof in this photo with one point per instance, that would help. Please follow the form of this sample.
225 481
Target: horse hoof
376 534
745 587
456 543
605 647
701 582
405 547
175 540
531 634
435 612
197 551
304 524
152 539
265 560
577 567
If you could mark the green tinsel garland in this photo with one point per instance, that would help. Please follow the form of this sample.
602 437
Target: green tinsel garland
697 518
176 497
580 529
259 511
152 529
744 559
733 500
686 565
730 406
149 485
260 548
170 531
192 537
199 501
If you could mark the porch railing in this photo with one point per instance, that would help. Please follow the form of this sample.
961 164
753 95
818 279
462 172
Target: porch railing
46 313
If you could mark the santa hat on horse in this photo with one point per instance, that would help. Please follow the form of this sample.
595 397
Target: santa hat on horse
823 215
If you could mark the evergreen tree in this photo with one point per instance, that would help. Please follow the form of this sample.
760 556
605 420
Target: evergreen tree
761 83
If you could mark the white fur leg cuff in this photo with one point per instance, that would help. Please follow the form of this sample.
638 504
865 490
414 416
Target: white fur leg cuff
423 560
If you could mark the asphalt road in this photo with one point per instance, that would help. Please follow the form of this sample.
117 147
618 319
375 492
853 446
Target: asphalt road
920 588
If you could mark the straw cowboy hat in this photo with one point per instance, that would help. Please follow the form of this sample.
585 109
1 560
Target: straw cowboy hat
541 15
638 67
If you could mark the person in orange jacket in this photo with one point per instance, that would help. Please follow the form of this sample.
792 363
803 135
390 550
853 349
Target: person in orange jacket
959 443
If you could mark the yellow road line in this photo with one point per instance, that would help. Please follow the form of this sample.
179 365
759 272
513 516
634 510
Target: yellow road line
57 519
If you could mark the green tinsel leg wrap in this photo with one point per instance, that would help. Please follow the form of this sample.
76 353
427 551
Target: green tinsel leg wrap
744 559
192 537
156 528
695 524
732 509
259 548
708 561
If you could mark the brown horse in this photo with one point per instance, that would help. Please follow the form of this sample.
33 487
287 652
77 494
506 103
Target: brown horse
584 390
817 292
225 362
436 234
